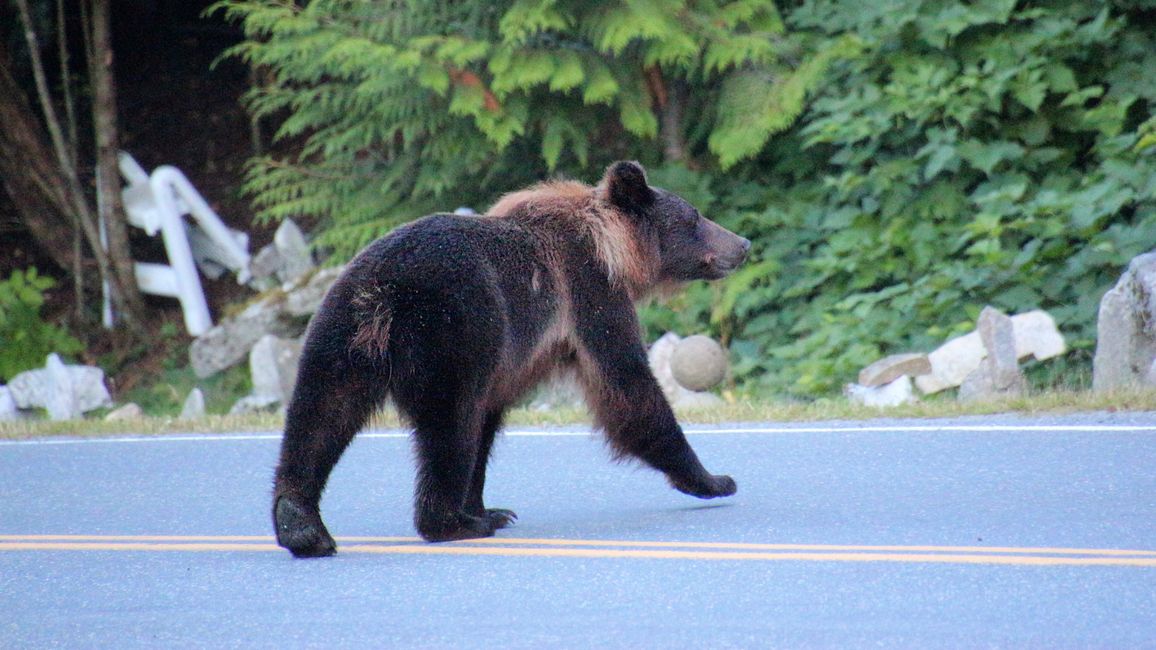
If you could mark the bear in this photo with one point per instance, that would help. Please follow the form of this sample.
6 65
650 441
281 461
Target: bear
456 317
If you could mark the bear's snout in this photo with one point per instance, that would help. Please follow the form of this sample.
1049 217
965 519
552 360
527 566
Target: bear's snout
728 252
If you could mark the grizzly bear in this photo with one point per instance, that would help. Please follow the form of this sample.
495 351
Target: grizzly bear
457 317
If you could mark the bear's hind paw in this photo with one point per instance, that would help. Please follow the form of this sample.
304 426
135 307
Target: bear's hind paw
500 517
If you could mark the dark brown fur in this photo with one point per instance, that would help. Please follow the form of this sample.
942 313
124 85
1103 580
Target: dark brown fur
458 317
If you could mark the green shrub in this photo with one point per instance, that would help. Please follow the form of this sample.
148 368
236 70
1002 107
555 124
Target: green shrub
897 164
992 153
26 339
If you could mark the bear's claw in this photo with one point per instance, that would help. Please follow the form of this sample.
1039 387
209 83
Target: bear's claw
500 517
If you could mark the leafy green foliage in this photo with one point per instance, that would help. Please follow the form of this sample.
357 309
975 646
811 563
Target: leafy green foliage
26 339
406 107
898 164
989 153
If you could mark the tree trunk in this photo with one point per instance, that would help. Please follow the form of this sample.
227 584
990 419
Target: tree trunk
30 175
107 175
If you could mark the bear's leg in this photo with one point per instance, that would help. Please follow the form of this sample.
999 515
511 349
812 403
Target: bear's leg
331 403
627 399
447 450
498 517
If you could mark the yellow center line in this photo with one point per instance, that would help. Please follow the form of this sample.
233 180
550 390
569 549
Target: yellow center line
522 541
597 548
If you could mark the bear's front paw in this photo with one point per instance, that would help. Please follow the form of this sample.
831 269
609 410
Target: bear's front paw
707 487
301 530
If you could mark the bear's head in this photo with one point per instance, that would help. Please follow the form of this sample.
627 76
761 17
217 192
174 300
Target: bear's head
689 246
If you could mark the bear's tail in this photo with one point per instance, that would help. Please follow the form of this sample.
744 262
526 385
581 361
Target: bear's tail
372 314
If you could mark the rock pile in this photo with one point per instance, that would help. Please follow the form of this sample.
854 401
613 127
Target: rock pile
983 363
67 392
268 331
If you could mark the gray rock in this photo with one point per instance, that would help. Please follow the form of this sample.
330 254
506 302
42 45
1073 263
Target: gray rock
1126 328
130 411
1037 335
998 374
254 404
273 367
293 250
659 356
999 339
194 407
698 363
894 393
560 391
951 363
229 342
66 392
8 410
303 299
263 267
888 369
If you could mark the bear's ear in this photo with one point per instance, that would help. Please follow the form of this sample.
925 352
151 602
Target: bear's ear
626 186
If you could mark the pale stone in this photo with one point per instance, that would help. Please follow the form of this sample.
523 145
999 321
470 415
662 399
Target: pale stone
229 342
559 391
253 404
263 267
296 260
1126 328
999 340
303 299
1035 335
698 363
66 392
8 410
273 366
130 411
951 363
998 373
659 357
895 393
888 369
194 407
692 400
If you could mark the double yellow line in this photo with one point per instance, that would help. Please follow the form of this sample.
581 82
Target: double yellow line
592 548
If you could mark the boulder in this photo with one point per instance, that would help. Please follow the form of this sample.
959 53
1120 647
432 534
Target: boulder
998 373
659 357
1126 328
304 297
894 393
254 404
285 260
698 363
1035 334
273 367
560 391
194 406
8 410
130 411
228 342
888 369
66 392
292 249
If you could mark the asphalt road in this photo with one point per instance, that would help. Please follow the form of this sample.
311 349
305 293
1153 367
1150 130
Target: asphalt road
969 533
